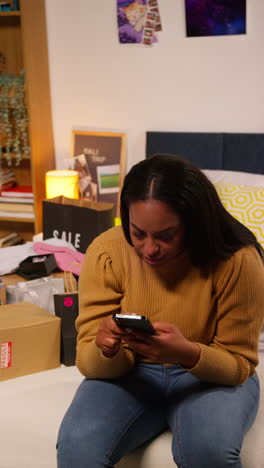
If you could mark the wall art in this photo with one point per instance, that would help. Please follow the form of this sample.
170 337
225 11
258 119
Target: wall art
138 21
215 17
99 158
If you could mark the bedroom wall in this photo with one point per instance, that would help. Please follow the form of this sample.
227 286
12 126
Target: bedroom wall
180 84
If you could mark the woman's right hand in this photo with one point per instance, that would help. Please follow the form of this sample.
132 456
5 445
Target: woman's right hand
109 337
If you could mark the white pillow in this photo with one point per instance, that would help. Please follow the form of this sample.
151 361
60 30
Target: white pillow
235 177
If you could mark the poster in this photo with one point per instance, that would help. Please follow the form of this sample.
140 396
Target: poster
99 159
138 21
215 17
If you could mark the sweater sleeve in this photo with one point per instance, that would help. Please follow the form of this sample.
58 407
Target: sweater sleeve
100 293
233 355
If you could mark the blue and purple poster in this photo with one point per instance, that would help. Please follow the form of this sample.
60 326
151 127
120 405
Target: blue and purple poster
215 17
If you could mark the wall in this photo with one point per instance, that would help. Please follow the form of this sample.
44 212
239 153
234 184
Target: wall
180 84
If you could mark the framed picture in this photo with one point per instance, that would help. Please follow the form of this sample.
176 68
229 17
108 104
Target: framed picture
100 159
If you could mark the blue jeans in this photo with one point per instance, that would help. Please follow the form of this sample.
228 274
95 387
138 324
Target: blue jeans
110 418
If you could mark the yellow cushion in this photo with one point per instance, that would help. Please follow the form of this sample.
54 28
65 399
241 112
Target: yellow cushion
246 204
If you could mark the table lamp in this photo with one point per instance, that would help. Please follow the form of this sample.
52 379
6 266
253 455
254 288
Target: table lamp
62 182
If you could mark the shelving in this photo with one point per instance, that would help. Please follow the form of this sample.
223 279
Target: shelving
10 13
23 42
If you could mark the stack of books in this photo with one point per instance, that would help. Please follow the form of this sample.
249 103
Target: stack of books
17 202
7 239
7 180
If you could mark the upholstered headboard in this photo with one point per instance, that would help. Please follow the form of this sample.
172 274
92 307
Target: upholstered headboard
226 151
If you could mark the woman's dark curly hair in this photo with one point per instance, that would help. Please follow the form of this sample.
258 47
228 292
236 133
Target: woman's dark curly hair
212 233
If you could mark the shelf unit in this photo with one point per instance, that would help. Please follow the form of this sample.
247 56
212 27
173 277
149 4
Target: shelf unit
23 41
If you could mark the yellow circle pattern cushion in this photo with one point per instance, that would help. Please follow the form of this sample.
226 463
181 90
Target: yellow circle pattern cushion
246 204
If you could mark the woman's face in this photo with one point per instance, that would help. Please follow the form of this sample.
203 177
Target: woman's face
157 233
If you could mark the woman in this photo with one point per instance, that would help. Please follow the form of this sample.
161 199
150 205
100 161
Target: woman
197 273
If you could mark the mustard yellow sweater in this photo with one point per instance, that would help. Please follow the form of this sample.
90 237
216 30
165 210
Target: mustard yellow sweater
222 312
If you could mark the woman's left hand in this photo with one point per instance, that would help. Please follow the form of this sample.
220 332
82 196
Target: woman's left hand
168 346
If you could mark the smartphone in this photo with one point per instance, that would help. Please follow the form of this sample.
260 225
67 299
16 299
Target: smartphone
138 322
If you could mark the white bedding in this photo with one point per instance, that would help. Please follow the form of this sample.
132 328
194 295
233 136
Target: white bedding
235 177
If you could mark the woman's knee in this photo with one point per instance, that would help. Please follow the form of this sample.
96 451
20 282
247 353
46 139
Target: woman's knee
71 444
206 452
79 448
209 427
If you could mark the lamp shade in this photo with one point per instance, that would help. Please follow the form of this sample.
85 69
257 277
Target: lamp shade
62 182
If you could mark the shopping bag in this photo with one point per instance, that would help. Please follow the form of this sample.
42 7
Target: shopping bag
2 292
66 307
76 221
38 291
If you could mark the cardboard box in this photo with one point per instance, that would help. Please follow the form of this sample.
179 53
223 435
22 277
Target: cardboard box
29 340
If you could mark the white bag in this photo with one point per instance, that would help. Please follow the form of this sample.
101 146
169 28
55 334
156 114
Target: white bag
39 292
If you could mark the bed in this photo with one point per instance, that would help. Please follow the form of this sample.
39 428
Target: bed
32 406
243 152
234 162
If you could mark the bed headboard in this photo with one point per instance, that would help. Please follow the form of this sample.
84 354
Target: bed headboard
226 151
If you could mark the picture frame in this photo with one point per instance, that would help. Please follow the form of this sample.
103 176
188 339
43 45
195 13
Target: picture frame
100 159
